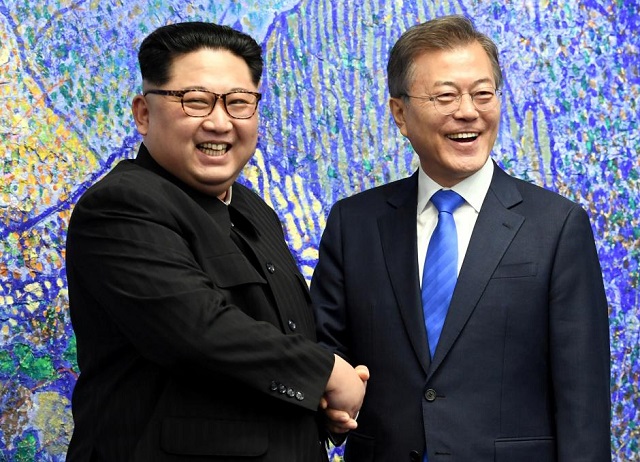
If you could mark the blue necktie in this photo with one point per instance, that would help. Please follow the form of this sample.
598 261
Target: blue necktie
441 266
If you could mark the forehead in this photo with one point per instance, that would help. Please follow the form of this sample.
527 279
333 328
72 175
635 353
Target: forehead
215 70
460 66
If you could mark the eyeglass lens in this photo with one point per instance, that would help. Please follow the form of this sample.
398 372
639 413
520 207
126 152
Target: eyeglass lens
483 100
239 105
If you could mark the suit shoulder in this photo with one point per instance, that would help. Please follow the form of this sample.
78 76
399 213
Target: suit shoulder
125 174
533 191
253 205
249 195
540 203
250 199
131 187
380 194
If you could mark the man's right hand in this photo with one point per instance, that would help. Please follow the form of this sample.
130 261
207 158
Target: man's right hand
344 395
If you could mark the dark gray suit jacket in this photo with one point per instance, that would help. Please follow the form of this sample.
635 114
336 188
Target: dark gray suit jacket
194 343
521 372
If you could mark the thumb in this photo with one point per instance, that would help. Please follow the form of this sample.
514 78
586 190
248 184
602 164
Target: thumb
363 372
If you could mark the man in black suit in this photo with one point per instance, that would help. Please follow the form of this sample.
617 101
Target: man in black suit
512 363
195 334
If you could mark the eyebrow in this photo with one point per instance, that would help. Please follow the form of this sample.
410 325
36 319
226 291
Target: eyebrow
454 84
200 88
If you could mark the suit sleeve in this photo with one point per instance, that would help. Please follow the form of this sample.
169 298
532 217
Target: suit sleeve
128 255
328 290
328 295
580 355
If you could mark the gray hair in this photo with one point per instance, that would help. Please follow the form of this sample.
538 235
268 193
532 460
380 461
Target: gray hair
444 33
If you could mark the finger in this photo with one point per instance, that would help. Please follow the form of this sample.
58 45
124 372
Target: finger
342 428
337 416
363 372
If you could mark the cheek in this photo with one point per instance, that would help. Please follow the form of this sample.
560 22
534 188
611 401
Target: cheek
182 132
417 127
249 131
493 119
159 126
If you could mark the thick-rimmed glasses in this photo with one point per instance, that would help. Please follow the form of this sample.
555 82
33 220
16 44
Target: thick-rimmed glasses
238 104
483 100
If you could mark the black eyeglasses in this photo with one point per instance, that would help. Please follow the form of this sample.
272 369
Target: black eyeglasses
238 104
484 99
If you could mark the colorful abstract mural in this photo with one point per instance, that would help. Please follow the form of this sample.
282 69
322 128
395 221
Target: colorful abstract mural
68 72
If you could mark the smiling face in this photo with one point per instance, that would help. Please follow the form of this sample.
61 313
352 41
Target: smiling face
206 153
450 147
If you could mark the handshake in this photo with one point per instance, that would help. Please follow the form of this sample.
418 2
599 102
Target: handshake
343 395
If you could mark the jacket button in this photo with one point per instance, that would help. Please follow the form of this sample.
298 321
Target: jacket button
414 456
292 324
430 395
282 389
271 267
299 396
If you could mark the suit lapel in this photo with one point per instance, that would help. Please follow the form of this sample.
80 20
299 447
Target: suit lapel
494 230
398 236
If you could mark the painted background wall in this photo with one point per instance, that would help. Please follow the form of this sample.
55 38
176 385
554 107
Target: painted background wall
68 72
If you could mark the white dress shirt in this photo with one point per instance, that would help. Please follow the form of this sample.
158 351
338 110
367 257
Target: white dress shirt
472 189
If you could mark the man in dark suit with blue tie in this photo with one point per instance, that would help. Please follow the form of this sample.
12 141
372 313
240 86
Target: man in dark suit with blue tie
475 299
195 334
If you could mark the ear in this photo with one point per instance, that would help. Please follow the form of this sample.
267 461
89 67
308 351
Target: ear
140 112
398 108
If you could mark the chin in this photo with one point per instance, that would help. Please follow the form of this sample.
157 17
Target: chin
472 163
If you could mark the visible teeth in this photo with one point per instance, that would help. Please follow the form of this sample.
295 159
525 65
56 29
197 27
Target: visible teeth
458 136
215 149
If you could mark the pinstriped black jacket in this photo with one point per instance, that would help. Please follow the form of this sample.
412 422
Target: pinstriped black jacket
195 340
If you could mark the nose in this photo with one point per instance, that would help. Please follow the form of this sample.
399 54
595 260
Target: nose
218 119
466 109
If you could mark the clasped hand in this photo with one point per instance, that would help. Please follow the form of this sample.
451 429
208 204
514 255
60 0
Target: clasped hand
343 395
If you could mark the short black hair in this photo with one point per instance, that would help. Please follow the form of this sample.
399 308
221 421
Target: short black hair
160 48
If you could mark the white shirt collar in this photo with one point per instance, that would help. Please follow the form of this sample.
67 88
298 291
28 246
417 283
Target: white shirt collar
472 189
227 198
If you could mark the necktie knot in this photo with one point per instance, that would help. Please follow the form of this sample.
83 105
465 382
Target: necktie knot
447 200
